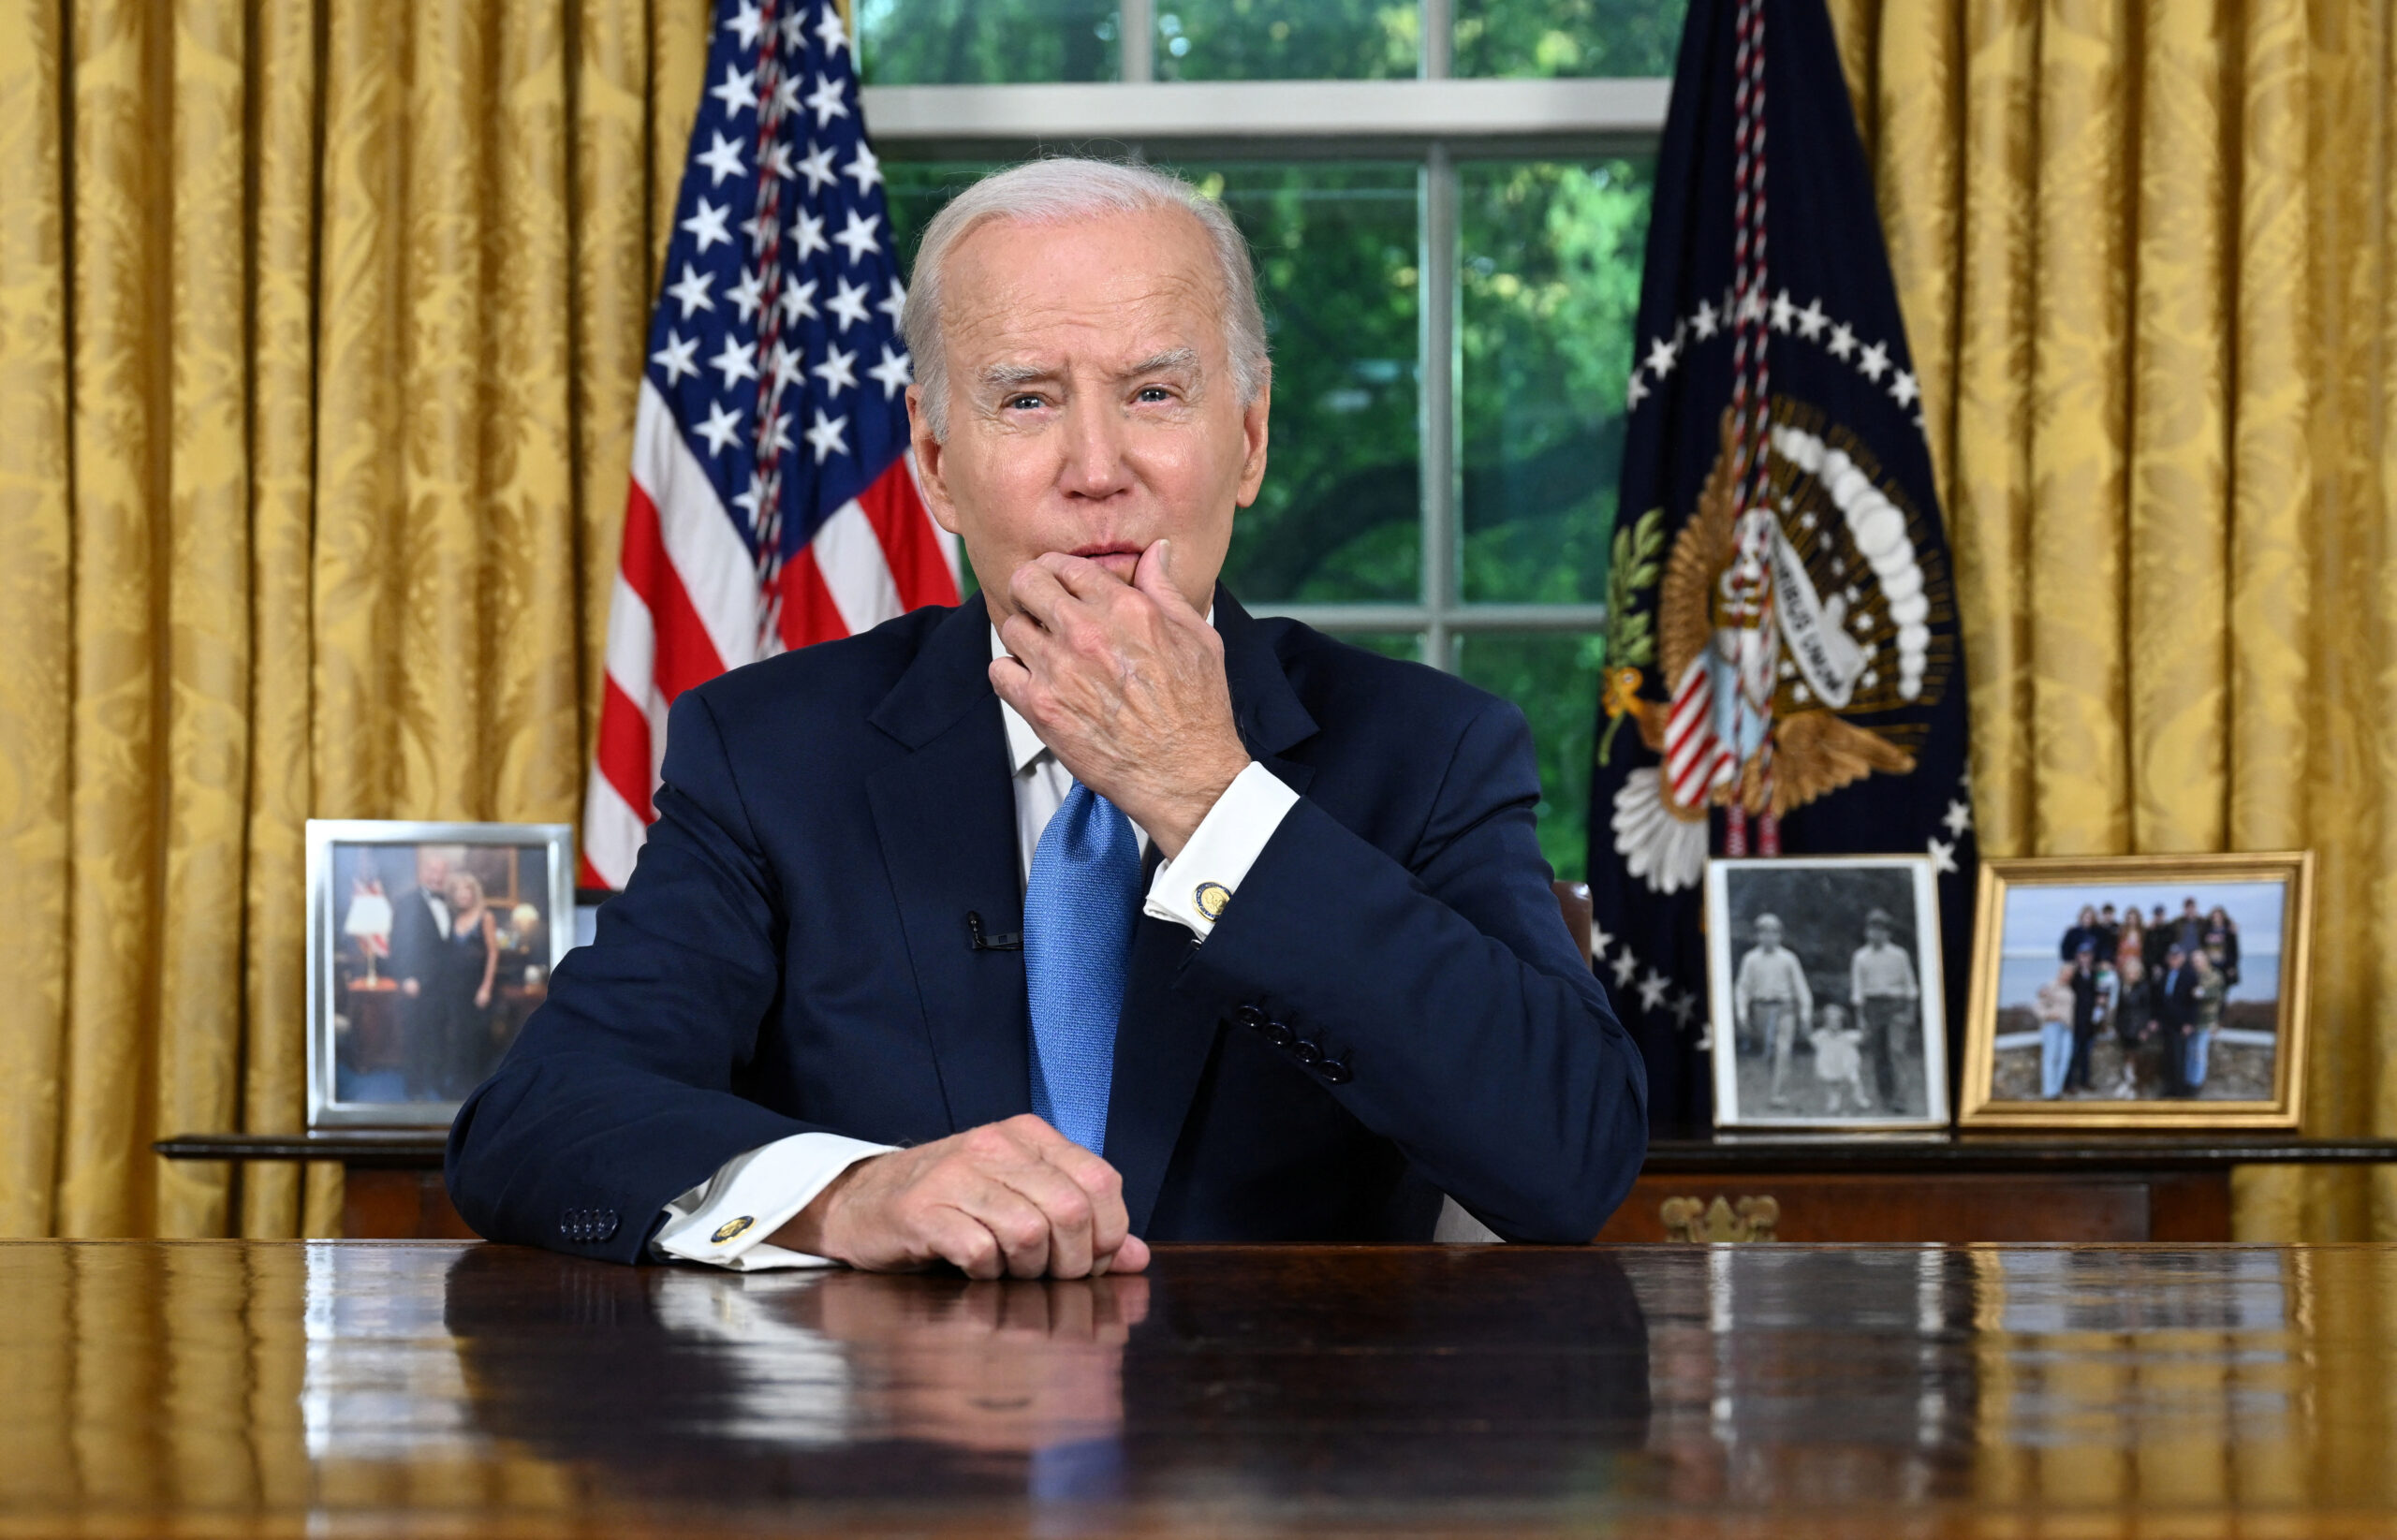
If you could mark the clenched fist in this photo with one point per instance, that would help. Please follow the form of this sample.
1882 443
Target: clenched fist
1014 1200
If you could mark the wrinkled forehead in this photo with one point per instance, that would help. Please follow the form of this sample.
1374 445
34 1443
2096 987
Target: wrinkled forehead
1104 290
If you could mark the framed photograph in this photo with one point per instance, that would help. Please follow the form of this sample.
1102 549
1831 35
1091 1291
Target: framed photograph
428 945
2140 992
1824 975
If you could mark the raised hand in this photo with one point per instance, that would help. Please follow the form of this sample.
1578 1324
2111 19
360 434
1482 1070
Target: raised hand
1124 681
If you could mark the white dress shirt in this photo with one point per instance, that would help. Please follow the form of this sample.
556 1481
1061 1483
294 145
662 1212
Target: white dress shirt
725 1220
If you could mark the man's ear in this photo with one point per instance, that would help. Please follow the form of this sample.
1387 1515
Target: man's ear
1254 419
931 464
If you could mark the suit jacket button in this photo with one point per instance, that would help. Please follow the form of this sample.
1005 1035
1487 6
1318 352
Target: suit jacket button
1279 1033
1249 1017
1309 1051
606 1225
1336 1071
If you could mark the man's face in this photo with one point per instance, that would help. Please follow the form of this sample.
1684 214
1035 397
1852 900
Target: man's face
1767 936
1877 933
432 870
1091 406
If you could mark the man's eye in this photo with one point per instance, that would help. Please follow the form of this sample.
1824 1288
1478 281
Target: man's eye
1155 392
1025 402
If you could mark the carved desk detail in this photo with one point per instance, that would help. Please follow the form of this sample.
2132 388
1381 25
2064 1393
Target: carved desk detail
1694 1219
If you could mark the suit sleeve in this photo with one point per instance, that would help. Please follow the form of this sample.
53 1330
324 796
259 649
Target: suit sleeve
1447 987
619 1093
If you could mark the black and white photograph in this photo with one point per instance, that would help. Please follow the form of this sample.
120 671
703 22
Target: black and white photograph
2166 987
429 945
1826 1004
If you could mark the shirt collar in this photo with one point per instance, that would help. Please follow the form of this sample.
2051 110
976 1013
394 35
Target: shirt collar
1024 744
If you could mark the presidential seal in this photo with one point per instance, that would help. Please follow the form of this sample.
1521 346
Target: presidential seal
1794 638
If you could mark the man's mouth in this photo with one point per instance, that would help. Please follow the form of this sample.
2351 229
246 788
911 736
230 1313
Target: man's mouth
1120 557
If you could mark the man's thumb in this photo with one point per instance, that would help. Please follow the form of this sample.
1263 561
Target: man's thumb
1152 576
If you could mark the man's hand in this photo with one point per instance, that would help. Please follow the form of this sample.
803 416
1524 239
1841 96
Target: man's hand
1014 1200
1124 681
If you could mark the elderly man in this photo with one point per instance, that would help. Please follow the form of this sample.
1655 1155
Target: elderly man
1093 911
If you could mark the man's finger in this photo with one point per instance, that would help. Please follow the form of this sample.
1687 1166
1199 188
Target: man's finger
1102 1187
1019 1223
1039 594
1081 577
1067 1209
949 1234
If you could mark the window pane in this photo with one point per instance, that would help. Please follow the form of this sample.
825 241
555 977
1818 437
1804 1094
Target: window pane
1340 515
917 189
1549 278
1285 39
1553 676
974 42
1568 36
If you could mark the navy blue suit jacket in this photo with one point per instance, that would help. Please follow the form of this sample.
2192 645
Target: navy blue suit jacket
1389 1008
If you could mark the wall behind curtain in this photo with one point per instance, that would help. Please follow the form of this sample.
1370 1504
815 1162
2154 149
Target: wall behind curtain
320 322
2145 252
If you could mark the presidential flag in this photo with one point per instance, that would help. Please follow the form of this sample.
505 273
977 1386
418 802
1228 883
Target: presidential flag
773 504
1783 669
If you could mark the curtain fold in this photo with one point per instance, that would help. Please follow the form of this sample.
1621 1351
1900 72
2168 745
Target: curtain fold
2143 249
320 326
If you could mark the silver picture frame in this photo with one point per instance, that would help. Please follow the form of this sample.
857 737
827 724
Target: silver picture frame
374 1062
1849 1057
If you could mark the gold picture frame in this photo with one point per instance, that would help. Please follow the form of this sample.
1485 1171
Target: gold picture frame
2131 1059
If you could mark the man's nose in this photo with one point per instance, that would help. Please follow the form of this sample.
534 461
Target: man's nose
1094 465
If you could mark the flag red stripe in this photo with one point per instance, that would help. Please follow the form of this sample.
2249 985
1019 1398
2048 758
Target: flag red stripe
809 615
910 544
685 654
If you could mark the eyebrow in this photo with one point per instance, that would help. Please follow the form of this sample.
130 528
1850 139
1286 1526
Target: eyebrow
1165 363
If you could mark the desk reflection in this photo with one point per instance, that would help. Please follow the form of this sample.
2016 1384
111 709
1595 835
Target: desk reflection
1226 1376
1771 1389
675 1381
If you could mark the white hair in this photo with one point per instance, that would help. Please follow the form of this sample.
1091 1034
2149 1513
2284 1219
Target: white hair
1057 191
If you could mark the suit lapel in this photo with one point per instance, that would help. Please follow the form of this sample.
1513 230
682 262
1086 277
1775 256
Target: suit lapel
1163 1038
945 816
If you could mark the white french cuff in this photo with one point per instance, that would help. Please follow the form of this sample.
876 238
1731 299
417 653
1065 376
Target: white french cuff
725 1220
1195 887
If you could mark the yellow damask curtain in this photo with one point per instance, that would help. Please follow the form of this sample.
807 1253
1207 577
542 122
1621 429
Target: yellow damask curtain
2145 254
320 327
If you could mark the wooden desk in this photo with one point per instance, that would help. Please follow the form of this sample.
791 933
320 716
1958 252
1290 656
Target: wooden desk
1950 1187
226 1387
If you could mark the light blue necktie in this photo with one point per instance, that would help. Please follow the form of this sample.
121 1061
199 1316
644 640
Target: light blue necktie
1078 911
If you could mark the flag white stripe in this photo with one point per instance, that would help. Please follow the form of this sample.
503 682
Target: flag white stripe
635 677
856 571
613 833
701 541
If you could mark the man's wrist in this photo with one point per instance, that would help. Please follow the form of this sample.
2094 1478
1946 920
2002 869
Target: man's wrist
1173 830
817 1230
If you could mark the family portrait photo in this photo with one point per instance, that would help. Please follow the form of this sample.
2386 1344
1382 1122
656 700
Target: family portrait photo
2157 985
1825 1005
429 945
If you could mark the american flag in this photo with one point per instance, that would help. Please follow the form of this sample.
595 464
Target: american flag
773 502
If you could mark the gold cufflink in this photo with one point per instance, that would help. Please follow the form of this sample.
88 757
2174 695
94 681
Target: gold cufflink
731 1227
1211 897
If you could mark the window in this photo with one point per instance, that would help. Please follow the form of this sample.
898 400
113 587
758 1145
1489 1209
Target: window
1448 200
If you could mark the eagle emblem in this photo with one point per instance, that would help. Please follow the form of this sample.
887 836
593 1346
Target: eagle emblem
1773 629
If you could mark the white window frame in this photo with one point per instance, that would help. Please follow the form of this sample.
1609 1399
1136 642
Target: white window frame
1433 119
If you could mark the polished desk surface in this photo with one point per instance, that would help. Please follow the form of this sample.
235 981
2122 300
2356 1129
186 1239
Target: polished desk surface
223 1387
